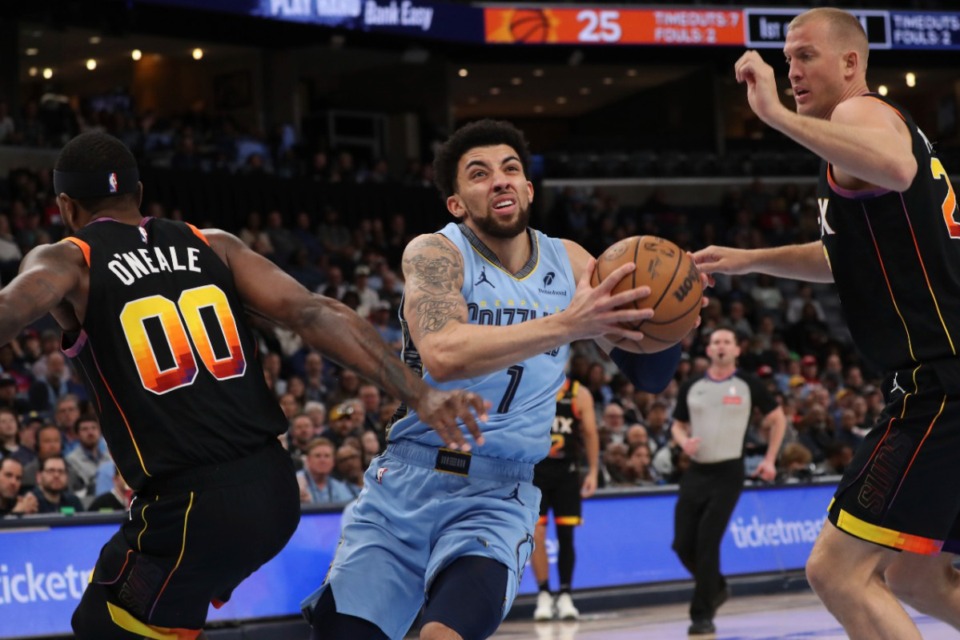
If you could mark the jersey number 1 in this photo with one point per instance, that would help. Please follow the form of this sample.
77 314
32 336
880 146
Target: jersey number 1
162 346
516 373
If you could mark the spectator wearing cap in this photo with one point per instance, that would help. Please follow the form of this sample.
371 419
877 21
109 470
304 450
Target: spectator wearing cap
369 298
381 321
340 424
317 485
10 446
809 373
8 395
765 373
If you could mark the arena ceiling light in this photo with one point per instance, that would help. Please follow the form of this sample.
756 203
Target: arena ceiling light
197 53
91 64
911 79
136 54
882 90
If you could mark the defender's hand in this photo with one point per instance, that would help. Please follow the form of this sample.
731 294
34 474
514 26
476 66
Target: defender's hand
442 410
727 260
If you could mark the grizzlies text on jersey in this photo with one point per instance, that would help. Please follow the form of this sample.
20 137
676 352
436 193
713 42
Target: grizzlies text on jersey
523 395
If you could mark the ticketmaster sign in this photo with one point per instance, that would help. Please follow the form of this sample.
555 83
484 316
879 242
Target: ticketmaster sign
627 540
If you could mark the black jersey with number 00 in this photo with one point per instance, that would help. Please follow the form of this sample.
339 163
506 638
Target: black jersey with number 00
896 261
165 353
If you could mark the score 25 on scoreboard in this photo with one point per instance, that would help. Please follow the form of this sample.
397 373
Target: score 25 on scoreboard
612 26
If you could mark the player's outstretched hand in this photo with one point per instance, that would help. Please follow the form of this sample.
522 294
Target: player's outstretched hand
727 260
443 410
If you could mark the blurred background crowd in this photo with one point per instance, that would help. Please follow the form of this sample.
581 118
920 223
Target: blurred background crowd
791 334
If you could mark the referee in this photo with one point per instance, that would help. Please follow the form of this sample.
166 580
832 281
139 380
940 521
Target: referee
709 423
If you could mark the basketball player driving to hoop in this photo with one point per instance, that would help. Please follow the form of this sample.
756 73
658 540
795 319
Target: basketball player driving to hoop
491 306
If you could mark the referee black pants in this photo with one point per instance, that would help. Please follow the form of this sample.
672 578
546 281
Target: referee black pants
708 495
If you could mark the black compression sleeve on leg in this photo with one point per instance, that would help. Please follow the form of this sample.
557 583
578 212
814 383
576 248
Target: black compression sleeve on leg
330 625
566 556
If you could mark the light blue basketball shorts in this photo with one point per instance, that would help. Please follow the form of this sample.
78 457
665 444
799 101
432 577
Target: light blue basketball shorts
411 521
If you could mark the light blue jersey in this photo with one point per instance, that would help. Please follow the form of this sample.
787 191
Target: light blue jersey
523 395
423 507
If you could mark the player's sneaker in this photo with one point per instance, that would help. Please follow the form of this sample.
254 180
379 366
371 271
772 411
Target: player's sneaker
565 608
544 610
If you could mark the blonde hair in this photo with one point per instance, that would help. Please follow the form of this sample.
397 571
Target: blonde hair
846 30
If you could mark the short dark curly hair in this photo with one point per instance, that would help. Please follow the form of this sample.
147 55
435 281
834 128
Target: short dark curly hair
482 133
92 151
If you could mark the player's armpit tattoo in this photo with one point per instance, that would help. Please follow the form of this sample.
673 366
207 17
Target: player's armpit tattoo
433 314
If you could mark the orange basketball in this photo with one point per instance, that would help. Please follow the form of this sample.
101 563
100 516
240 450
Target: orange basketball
675 289
529 25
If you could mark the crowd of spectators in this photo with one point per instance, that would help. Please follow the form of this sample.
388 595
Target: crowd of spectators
200 141
790 334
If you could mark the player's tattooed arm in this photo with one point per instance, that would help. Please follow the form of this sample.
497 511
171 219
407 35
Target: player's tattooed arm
433 270
48 275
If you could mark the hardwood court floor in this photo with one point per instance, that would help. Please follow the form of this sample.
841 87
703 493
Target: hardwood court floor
790 616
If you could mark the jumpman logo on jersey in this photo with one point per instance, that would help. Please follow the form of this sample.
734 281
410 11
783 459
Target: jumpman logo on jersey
514 495
896 385
483 278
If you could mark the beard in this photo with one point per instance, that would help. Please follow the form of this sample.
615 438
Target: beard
503 229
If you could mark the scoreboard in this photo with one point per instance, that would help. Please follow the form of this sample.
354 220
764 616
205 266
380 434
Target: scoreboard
587 24
750 27
612 26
